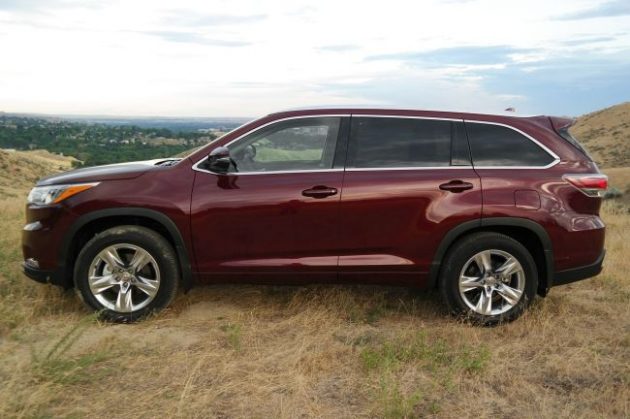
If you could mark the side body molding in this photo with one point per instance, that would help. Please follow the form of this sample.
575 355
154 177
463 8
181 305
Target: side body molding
469 226
162 219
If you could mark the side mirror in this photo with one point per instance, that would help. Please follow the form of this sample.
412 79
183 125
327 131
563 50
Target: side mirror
219 160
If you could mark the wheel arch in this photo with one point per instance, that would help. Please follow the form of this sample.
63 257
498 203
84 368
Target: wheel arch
94 222
528 232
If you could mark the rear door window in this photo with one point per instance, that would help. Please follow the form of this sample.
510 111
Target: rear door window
384 142
501 146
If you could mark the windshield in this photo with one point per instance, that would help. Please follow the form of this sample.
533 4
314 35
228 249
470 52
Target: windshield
193 150
187 153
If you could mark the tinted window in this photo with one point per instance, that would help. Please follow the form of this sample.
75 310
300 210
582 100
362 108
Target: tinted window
399 142
298 144
495 145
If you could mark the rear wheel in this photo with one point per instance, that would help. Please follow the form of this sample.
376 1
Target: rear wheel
127 272
488 278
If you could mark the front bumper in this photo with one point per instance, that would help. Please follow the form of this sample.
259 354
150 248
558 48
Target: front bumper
41 241
45 277
579 273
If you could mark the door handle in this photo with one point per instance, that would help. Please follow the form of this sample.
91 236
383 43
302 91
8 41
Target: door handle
319 191
456 186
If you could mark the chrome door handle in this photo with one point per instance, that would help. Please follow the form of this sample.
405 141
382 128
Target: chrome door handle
319 191
456 186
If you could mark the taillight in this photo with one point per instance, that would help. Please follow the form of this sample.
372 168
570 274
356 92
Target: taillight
591 185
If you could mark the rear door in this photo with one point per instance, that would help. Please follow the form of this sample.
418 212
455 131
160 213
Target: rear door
407 182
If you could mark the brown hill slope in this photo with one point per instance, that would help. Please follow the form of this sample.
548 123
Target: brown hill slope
606 135
22 168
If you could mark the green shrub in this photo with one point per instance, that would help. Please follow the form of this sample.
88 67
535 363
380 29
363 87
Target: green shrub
612 193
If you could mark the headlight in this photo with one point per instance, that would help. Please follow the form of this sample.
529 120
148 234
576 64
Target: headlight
45 195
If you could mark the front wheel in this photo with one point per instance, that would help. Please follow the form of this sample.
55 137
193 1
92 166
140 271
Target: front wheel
488 278
126 273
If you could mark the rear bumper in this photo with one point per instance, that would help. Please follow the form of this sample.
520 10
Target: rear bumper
582 272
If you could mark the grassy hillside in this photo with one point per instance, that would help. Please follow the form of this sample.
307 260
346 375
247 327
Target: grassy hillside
21 169
606 135
308 351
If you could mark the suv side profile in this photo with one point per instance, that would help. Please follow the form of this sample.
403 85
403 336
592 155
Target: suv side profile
489 209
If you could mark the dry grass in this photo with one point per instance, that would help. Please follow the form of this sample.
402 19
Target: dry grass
316 351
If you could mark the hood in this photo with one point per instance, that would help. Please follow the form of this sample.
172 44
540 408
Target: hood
107 172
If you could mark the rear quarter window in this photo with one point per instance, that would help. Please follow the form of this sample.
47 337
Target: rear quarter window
501 146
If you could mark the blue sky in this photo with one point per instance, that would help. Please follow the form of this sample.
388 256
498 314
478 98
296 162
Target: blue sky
247 58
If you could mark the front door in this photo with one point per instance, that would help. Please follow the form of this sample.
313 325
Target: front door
274 216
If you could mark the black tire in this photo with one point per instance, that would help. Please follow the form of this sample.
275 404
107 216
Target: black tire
459 256
155 245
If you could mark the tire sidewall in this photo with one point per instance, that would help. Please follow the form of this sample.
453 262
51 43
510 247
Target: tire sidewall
144 238
466 249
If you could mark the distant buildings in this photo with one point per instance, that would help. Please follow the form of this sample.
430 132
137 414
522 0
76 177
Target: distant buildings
217 132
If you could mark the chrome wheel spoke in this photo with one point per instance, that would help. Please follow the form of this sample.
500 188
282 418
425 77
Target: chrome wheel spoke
140 260
483 261
484 305
124 303
148 286
509 294
111 257
98 284
509 267
467 283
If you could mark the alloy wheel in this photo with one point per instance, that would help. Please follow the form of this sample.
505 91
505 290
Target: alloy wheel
492 282
124 278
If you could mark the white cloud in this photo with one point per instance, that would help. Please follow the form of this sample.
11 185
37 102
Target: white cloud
233 57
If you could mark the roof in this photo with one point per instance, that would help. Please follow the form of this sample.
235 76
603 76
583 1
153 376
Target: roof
399 109
503 117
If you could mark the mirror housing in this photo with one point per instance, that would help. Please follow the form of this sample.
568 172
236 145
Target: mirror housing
219 160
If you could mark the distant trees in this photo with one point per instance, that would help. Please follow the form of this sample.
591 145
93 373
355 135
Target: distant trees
96 143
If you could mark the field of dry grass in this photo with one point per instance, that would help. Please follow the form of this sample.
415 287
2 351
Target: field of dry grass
315 351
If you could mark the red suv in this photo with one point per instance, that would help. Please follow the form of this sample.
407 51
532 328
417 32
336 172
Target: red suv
490 209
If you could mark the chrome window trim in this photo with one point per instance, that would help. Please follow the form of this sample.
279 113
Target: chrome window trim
380 169
383 169
555 161
550 165
272 172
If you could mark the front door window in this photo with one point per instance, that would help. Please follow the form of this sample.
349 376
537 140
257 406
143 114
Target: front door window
303 144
